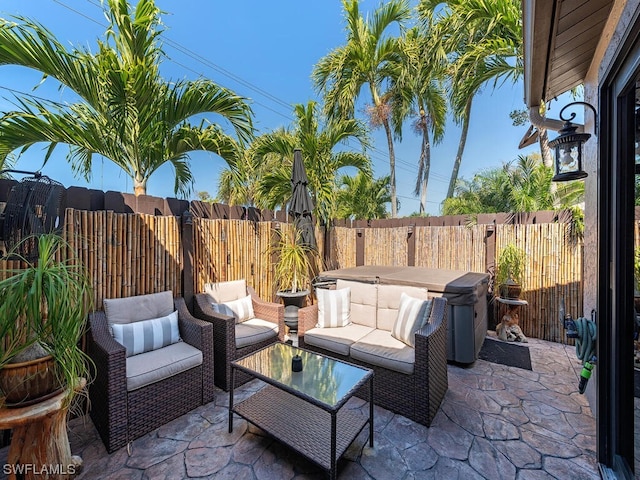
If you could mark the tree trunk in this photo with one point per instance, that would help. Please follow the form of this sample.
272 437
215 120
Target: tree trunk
425 162
392 168
547 158
139 187
461 145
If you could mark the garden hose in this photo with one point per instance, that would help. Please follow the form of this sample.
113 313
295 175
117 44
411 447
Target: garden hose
586 339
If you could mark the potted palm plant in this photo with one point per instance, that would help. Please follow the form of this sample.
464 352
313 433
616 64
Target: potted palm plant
43 310
510 271
293 272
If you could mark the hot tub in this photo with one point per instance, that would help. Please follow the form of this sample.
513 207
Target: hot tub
466 294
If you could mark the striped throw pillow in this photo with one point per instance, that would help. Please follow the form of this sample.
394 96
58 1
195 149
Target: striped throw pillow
242 308
223 309
334 307
412 314
147 335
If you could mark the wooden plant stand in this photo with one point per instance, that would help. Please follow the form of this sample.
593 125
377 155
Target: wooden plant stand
39 443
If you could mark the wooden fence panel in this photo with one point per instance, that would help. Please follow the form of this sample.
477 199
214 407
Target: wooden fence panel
126 253
452 247
553 271
386 246
344 242
232 250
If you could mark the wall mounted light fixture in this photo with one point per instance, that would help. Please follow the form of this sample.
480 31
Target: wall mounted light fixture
568 147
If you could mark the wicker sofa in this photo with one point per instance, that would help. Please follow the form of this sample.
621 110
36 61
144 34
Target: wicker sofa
131 396
233 338
409 381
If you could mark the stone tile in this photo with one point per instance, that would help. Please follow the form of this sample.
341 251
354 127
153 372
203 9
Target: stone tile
218 435
275 463
489 461
548 446
581 423
567 470
201 462
383 460
234 471
404 433
148 451
497 428
557 400
173 467
519 453
419 457
468 418
186 428
534 475
249 448
449 439
447 468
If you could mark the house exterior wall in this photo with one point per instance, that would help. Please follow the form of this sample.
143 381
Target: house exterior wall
621 17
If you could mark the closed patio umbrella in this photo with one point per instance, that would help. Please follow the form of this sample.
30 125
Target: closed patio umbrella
301 205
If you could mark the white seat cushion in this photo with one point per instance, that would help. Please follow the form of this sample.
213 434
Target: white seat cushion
253 331
381 349
338 339
150 367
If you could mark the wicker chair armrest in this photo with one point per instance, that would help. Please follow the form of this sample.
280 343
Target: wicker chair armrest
103 340
224 325
437 320
269 311
307 318
194 331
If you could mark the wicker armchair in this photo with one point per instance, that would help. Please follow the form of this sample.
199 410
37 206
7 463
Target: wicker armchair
122 413
231 339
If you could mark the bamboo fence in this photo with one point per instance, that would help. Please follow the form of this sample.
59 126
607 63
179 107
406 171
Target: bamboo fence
232 250
126 254
386 246
344 241
453 247
553 272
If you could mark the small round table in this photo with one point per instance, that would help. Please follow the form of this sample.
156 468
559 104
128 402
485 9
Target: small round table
39 443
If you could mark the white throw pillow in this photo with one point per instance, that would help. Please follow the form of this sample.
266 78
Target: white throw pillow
243 308
147 335
334 307
412 314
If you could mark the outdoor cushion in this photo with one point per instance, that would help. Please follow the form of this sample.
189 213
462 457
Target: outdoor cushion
334 307
411 316
242 308
338 340
254 330
147 335
223 309
364 298
381 349
140 307
223 292
150 367
389 301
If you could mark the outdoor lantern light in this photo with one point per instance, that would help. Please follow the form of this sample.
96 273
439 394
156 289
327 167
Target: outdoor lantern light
568 148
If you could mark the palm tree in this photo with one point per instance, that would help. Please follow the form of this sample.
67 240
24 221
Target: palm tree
322 160
418 92
127 112
365 59
362 198
520 186
483 41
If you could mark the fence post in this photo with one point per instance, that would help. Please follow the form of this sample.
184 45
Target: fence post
186 232
411 245
360 229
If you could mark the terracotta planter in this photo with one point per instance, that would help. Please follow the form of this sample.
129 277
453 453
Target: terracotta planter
29 382
510 290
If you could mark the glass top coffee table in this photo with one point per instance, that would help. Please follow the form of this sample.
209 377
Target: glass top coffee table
304 409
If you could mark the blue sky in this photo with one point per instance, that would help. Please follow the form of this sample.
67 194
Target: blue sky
264 51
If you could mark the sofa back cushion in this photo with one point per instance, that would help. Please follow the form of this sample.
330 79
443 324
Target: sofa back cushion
223 292
389 301
364 299
139 307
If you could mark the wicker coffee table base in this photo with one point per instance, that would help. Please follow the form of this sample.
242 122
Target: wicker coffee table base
317 434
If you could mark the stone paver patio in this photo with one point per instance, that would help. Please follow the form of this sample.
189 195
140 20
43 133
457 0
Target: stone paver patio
496 422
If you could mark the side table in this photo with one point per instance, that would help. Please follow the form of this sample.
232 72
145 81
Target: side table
39 443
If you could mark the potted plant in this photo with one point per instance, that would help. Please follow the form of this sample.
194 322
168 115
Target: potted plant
510 271
293 272
43 310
